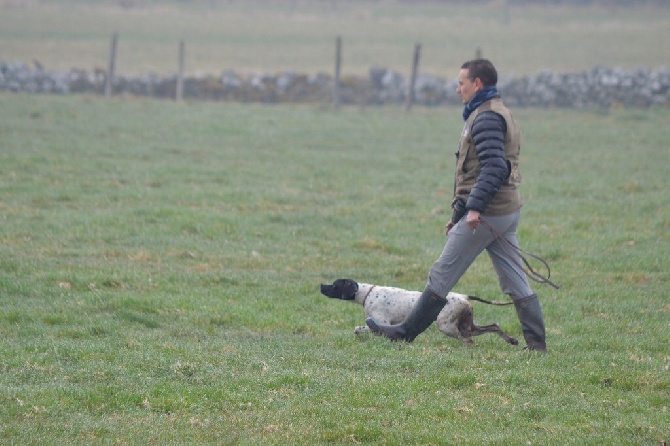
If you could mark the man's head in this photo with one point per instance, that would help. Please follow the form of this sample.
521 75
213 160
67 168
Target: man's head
474 75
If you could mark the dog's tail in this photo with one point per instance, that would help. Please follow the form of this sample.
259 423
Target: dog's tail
489 302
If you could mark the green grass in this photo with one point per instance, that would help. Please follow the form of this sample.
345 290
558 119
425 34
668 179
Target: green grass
161 261
269 36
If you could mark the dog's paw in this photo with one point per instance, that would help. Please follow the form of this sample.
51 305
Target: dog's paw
361 329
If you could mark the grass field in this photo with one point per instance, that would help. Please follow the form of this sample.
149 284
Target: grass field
161 262
269 36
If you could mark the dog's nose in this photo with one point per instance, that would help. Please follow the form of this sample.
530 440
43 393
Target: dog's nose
327 290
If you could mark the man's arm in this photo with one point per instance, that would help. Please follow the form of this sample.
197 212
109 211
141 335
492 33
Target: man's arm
488 135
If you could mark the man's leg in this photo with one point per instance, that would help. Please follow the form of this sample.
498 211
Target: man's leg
513 281
460 250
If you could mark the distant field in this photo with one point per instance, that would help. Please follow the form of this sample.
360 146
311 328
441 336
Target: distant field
270 36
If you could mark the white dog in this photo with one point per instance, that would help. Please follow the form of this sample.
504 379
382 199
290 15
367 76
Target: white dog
389 305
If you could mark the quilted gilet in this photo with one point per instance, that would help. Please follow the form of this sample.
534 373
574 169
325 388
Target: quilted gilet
487 174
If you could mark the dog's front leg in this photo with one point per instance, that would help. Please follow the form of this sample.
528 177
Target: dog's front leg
361 329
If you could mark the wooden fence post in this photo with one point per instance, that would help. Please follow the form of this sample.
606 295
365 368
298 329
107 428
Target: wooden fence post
338 63
412 81
110 65
505 12
179 94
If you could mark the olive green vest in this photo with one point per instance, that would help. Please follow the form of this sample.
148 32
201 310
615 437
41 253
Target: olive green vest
507 199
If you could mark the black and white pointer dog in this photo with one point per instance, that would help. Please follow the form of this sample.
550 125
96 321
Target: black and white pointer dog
389 305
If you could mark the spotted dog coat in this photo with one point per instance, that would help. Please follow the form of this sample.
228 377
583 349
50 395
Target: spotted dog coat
390 305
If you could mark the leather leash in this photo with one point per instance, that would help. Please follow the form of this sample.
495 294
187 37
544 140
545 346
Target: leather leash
530 272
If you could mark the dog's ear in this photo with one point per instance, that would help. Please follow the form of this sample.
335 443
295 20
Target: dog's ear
349 289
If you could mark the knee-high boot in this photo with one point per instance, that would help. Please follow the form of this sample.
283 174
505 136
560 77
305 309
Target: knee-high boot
532 323
419 319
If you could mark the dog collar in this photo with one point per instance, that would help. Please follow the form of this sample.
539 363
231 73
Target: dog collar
368 293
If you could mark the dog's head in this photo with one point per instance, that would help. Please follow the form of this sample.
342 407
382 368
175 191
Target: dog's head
344 289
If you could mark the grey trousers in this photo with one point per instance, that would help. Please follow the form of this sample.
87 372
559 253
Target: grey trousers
463 247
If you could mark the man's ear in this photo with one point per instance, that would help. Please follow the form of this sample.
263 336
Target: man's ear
478 83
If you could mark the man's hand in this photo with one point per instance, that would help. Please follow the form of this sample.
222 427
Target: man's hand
448 227
472 219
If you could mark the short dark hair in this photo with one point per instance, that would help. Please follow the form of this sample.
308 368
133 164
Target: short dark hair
482 69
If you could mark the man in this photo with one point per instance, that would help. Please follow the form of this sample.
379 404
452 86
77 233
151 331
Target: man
486 209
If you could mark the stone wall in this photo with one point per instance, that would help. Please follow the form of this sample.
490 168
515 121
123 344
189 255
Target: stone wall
600 87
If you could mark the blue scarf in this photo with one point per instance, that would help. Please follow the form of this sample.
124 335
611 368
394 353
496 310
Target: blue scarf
478 99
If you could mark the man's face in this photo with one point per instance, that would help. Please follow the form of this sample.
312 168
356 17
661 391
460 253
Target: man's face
467 88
